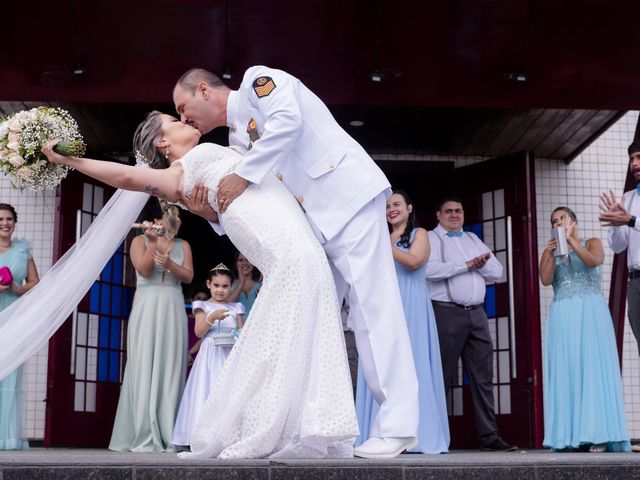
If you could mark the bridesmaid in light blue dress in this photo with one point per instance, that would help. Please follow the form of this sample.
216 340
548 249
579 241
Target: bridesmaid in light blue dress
583 406
246 285
411 252
16 255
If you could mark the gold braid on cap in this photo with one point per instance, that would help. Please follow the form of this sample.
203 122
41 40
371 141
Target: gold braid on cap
220 266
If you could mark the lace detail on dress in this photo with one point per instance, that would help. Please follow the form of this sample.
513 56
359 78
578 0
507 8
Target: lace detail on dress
207 164
573 278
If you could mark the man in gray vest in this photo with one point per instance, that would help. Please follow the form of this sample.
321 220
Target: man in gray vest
459 265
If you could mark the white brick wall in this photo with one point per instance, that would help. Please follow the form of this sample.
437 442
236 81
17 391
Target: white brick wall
36 214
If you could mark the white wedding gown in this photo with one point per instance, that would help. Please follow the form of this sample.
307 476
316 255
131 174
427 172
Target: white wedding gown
285 389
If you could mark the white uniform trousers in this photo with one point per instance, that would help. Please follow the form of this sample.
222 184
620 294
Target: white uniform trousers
360 256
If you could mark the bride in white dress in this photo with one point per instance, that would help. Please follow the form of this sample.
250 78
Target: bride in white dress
285 389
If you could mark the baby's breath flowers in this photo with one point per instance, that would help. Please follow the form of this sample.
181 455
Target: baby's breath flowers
21 138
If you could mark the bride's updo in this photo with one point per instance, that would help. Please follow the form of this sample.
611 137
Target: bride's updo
144 139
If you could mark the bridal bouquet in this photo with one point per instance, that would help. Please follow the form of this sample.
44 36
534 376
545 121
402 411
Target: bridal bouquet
21 138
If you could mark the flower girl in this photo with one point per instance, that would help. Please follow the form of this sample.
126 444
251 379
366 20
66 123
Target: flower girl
218 322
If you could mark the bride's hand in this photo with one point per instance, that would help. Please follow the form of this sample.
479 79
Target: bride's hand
54 157
198 203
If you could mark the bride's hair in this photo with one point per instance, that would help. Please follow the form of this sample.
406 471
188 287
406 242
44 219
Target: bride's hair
144 140
171 217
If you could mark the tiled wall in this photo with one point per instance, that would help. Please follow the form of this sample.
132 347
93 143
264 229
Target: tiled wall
602 166
36 213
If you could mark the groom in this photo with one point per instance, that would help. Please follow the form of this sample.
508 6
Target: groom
287 131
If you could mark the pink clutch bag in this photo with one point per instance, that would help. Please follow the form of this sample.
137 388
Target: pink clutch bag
5 276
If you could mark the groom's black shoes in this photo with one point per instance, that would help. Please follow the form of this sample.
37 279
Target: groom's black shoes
498 445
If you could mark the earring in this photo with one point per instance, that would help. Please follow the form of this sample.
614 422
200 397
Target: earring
166 154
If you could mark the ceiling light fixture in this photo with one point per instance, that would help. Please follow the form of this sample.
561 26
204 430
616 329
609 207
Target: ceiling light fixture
519 77
79 69
356 123
227 75
376 76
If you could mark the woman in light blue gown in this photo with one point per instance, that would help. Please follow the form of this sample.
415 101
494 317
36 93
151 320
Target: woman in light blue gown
16 256
411 252
583 406
246 285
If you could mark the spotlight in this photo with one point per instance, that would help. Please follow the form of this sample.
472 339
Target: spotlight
519 77
227 75
79 69
356 123
376 76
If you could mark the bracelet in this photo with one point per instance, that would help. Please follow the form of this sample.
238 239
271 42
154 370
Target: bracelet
206 319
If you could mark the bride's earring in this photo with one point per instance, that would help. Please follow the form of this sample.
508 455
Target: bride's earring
166 154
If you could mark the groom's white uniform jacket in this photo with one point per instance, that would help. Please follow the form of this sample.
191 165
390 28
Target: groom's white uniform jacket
328 172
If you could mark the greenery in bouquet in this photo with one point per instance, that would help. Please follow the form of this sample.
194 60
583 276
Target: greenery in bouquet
21 138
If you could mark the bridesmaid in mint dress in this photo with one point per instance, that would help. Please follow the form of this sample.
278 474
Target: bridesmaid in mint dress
411 252
584 407
16 255
155 372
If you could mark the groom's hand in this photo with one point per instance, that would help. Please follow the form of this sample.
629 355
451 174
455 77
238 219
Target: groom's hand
198 203
229 188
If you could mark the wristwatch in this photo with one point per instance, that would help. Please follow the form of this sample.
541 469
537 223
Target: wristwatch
632 222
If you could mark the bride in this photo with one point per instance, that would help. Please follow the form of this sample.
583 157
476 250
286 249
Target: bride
285 389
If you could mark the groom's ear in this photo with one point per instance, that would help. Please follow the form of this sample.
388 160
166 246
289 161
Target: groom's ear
203 89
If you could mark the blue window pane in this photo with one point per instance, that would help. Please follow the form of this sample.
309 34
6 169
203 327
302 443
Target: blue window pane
120 248
114 341
105 298
116 301
105 276
126 302
117 268
475 228
103 364
94 298
490 301
103 332
114 366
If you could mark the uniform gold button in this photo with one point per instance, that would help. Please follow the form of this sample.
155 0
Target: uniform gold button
332 165
300 199
279 176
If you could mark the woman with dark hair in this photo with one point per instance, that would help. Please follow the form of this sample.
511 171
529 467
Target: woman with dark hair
411 252
583 408
284 390
18 275
246 283
156 367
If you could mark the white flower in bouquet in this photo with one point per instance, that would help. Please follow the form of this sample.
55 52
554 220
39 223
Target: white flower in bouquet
21 138
15 159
